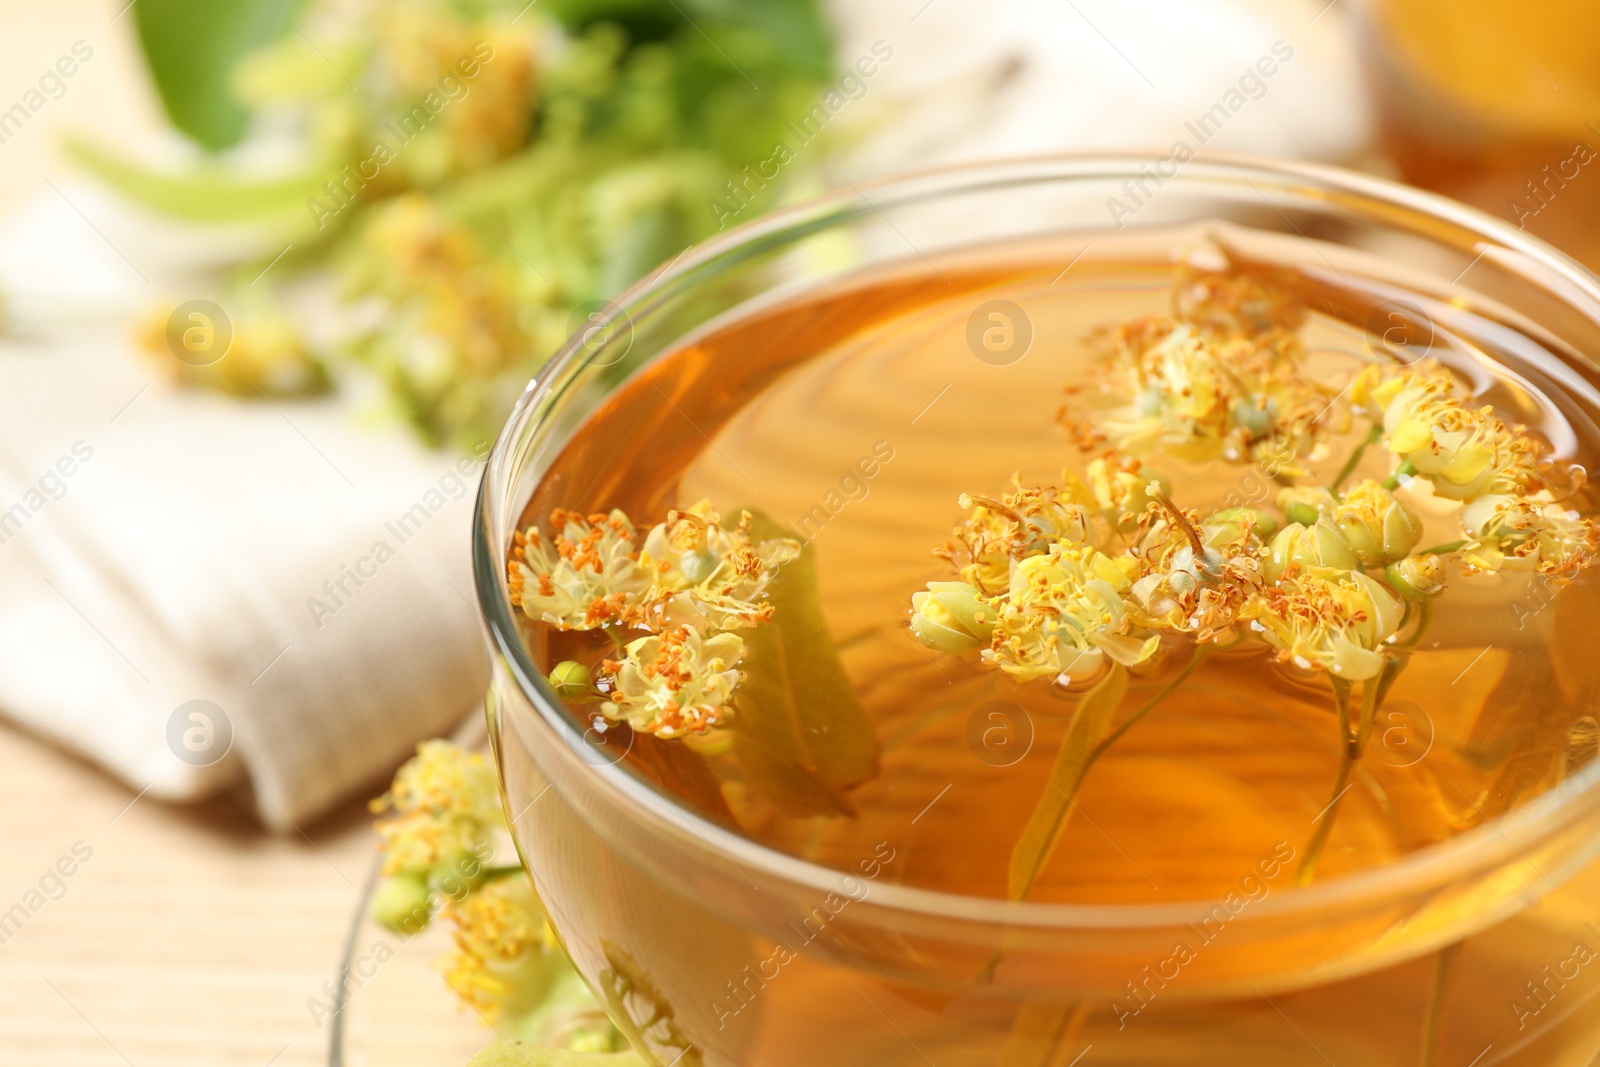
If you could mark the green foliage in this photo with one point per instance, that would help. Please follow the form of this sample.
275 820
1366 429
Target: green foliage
191 47
553 177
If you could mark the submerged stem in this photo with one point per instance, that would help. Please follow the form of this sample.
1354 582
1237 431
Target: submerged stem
1199 657
1443 963
1354 461
1077 757
1372 691
1341 783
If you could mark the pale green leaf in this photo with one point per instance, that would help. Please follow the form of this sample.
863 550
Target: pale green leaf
1089 721
204 195
799 729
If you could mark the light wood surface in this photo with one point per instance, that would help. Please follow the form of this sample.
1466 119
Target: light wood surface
193 938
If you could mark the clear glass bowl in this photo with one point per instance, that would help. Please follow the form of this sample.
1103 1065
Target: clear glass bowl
672 918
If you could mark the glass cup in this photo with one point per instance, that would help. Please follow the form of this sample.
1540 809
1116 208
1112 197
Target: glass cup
710 949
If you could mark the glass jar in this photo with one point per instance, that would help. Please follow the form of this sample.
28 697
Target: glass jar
711 949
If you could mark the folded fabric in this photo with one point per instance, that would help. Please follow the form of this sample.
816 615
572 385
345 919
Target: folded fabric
304 577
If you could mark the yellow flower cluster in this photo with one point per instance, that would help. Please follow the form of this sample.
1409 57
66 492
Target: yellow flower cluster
1220 377
452 317
687 583
674 683
442 807
1043 594
1061 606
1511 519
501 940
1328 617
689 570
264 353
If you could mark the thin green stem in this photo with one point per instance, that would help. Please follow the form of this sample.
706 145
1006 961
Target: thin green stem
1439 550
1406 468
1371 693
1354 746
1201 652
491 873
1341 782
1354 461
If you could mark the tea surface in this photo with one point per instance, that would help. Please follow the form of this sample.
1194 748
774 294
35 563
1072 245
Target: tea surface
855 418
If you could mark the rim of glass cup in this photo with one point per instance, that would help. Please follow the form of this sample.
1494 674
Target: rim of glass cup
1480 848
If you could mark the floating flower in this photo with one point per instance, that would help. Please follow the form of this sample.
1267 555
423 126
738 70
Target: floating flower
1119 486
689 570
444 804
703 573
952 617
1234 303
1066 610
1222 378
1378 528
1197 577
1416 577
1332 619
586 574
1024 522
1464 451
1511 533
1305 504
1319 545
673 683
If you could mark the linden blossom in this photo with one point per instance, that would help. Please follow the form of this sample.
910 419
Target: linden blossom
1087 580
345 188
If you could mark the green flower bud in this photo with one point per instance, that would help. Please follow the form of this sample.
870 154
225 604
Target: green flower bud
1227 525
1416 577
1379 528
951 617
402 905
698 565
1305 504
1319 545
1255 419
570 680
1301 512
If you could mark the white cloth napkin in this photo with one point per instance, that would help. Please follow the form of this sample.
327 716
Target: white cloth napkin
161 546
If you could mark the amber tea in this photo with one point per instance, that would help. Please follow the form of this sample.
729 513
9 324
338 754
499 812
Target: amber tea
1176 576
